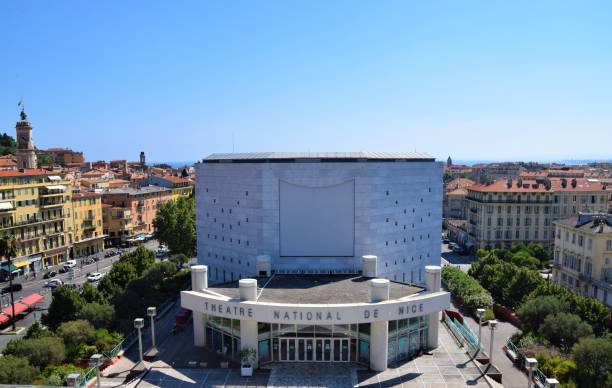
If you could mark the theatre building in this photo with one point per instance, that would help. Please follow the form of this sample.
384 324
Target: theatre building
318 257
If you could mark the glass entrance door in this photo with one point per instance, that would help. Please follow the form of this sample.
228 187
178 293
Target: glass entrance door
314 349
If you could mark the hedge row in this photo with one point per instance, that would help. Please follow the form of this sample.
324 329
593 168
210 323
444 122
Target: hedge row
466 288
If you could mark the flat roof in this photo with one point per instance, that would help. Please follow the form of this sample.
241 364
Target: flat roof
295 157
315 289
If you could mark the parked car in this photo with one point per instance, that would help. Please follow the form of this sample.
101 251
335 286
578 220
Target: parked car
94 276
53 283
16 287
49 274
70 263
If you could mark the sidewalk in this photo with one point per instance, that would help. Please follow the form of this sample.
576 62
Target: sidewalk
512 376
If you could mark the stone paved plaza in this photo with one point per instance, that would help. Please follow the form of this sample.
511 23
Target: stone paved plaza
201 378
446 367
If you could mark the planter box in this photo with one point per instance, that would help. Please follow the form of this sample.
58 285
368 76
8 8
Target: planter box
246 370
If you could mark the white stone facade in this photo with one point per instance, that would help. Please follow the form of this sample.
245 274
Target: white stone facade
397 215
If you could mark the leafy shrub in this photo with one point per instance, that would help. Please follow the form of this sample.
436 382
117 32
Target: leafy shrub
100 315
564 329
40 352
593 358
16 370
465 287
533 312
76 332
489 315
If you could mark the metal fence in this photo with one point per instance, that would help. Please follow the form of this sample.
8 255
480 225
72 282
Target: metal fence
538 375
125 344
454 328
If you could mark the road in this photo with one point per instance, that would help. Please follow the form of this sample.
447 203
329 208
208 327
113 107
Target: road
38 285
456 260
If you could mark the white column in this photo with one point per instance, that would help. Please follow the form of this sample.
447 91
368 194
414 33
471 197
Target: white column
369 266
248 328
379 331
432 281
199 282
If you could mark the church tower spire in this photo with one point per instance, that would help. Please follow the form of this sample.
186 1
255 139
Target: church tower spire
26 154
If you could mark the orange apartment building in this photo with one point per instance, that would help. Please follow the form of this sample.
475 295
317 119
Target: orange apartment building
129 212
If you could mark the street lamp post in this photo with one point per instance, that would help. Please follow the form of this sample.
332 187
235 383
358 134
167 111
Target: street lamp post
480 313
492 326
531 364
94 362
152 312
139 324
552 383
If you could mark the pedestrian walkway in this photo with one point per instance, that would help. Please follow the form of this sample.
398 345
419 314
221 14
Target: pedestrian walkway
512 376
315 374
448 366
201 378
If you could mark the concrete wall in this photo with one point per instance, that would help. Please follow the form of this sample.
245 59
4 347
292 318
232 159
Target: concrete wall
398 213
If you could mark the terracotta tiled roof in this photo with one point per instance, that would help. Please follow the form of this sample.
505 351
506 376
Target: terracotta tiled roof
27 172
174 179
531 186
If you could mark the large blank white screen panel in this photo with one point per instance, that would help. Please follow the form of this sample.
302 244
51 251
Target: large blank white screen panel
317 221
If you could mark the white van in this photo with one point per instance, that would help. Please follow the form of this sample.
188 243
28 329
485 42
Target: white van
70 264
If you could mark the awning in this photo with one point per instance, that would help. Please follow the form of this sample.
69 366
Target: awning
6 206
19 308
4 319
55 178
7 269
22 263
32 299
56 187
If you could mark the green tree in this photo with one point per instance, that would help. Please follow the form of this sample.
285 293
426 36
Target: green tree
113 284
16 370
593 358
7 144
591 310
66 304
43 159
179 259
38 331
91 294
523 282
525 260
58 374
564 329
141 258
41 352
100 315
76 332
533 311
175 226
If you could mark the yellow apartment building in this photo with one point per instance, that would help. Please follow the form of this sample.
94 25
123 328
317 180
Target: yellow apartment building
34 207
86 222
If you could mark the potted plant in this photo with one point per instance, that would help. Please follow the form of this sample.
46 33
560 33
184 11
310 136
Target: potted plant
247 359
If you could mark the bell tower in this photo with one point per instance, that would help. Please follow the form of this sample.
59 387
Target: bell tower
26 155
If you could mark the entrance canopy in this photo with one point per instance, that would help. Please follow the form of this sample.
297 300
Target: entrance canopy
19 309
32 299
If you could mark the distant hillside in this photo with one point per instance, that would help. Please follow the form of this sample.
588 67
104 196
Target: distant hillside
7 144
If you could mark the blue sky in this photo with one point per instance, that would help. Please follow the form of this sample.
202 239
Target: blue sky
473 79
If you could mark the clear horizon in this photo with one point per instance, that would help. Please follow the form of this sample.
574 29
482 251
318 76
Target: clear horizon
476 81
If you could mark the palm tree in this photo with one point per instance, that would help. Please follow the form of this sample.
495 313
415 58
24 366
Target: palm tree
8 250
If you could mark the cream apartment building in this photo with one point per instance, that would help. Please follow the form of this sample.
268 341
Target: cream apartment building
508 212
583 255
